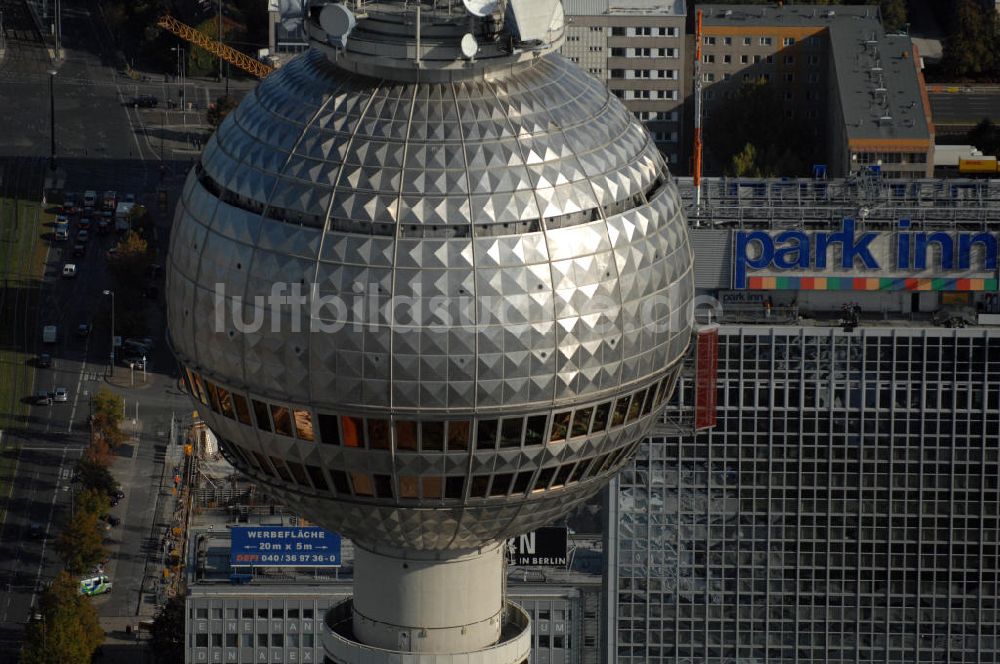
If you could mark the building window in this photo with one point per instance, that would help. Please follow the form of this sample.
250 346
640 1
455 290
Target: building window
744 59
641 52
708 77
789 59
814 59
747 41
727 58
708 57
728 41
617 73
618 52
618 32
765 41
710 41
756 59
789 77
813 77
788 41
770 59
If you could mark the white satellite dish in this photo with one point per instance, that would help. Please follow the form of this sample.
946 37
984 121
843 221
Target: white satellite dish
337 21
481 8
469 46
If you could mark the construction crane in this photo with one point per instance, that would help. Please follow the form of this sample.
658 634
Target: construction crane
230 55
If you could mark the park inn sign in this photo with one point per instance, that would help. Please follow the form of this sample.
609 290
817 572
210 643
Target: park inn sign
848 259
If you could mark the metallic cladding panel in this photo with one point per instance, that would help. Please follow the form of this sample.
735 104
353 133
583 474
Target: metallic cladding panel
714 248
504 247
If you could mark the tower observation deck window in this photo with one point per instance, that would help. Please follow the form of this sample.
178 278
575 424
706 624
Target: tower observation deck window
534 433
282 420
486 434
601 417
378 434
242 408
458 435
510 432
362 483
304 425
432 487
432 436
317 477
352 431
454 487
621 410
225 402
406 435
329 432
560 426
409 487
262 416
581 422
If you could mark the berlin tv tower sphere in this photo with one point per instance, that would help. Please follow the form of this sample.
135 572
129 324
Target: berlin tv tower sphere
429 303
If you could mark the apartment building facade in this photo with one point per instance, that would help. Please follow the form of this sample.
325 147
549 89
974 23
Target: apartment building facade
861 90
637 48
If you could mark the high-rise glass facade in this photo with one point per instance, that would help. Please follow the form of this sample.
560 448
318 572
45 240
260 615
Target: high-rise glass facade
845 508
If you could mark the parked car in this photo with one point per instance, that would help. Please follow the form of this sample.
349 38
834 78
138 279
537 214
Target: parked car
129 198
135 361
82 236
69 270
44 361
69 204
79 250
83 329
112 252
144 101
117 493
42 398
61 395
111 520
97 585
36 531
103 227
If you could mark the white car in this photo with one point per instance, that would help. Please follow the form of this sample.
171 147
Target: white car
69 270
61 395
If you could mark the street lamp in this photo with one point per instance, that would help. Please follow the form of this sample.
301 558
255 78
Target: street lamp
112 294
180 71
52 119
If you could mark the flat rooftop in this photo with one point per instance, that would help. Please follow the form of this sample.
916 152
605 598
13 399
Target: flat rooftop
625 7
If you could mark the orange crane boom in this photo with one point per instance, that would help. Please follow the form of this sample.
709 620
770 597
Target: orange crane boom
230 55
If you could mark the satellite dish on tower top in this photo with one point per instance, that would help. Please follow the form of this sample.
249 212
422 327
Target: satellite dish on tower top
469 46
481 8
337 21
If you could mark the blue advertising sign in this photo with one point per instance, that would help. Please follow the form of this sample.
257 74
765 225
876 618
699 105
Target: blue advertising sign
283 546
851 258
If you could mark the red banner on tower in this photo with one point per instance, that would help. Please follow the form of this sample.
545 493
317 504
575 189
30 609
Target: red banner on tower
706 371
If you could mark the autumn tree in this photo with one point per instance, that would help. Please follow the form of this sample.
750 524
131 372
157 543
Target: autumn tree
95 476
81 543
68 631
218 111
971 49
168 632
108 412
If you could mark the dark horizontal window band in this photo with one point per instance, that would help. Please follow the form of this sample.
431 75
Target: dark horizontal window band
381 229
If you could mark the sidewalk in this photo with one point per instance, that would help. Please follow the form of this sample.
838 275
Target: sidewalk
123 643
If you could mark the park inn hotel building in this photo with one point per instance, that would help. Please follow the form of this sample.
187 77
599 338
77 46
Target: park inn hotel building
845 507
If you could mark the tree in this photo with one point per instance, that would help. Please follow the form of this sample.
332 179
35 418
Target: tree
894 16
95 476
130 261
108 409
970 50
81 544
68 632
986 136
168 632
744 163
756 115
91 501
218 111
98 452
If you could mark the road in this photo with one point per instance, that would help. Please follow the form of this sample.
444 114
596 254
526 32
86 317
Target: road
101 144
963 108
